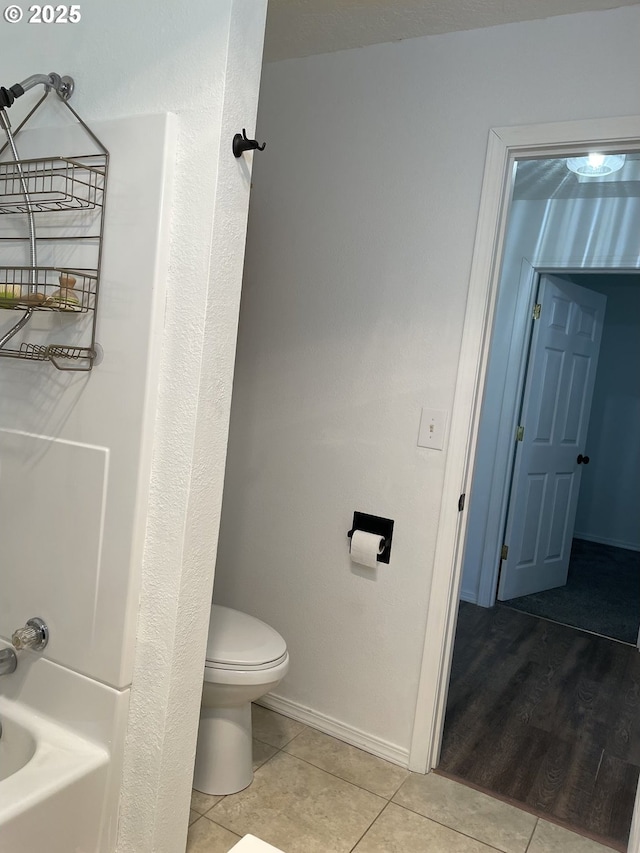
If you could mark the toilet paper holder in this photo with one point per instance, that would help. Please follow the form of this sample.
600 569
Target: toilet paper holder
377 525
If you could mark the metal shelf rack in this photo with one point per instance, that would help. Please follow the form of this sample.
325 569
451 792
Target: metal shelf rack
65 196
56 183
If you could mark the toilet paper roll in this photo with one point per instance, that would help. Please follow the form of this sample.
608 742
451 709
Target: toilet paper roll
366 548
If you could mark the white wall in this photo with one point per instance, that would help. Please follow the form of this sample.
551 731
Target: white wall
202 63
361 234
609 502
72 445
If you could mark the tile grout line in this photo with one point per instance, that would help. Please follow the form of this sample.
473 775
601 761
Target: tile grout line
286 743
346 781
437 822
388 800
224 796
380 813
374 821
533 832
264 743
382 810
355 784
391 798
453 829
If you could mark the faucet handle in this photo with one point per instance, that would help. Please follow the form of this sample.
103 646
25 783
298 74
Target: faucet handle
34 635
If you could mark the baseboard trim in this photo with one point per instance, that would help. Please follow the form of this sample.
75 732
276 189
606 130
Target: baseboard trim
469 597
341 731
601 540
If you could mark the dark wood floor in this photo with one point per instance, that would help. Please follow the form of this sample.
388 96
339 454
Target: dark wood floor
547 716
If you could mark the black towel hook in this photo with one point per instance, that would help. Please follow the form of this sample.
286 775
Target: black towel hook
242 144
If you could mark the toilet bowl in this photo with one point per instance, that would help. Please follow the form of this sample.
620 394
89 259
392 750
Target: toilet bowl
245 659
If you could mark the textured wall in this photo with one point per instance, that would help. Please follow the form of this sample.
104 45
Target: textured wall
197 371
362 225
201 62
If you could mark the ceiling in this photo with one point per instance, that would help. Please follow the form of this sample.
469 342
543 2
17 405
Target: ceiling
298 28
545 179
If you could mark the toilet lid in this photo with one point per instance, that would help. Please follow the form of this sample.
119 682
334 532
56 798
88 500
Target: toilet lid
237 639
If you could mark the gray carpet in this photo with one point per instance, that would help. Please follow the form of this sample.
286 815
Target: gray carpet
602 594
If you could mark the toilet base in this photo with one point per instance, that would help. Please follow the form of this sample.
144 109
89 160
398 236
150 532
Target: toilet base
224 756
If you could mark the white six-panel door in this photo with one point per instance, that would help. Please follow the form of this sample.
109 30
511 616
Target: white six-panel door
549 458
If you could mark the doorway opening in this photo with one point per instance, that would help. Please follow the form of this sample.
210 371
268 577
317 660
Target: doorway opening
507 146
592 580
518 724
515 675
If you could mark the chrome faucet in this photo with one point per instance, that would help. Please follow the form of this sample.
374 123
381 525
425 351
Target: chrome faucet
34 635
8 661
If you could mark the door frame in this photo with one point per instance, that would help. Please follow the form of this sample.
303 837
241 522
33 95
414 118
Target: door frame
505 146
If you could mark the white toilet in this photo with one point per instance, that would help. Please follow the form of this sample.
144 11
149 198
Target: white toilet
245 659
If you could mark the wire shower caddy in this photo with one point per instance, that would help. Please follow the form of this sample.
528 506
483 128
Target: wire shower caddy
66 197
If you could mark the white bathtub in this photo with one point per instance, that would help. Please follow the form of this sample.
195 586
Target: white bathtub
52 784
17 746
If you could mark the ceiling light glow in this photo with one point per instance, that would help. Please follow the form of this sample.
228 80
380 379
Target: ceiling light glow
596 165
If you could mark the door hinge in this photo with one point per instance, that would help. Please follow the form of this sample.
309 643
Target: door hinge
461 502
505 552
520 433
536 311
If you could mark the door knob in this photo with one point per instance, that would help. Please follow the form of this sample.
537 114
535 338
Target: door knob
582 460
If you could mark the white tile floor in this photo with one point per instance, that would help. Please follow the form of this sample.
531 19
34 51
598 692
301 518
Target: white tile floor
314 794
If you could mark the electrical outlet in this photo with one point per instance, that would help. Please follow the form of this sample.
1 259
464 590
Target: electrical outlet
433 424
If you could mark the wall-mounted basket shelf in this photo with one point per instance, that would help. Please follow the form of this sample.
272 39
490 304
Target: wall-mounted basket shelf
63 198
16 289
57 183
60 357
